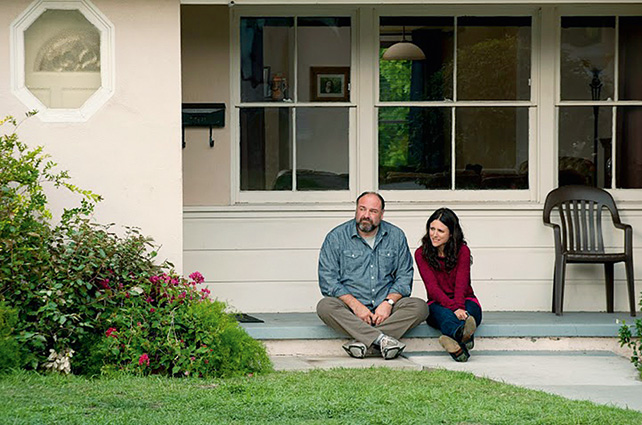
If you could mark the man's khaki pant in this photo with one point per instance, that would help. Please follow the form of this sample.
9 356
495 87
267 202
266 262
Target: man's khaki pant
406 314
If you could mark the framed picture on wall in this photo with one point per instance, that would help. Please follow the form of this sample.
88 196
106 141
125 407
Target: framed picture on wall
330 83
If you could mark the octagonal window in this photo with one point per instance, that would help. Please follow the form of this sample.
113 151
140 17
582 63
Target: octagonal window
62 59
62 62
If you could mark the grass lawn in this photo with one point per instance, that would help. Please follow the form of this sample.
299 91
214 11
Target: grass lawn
338 396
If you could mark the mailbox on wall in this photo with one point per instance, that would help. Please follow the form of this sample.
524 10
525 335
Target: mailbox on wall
203 115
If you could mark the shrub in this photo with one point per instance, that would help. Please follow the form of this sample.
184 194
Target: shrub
631 336
168 326
10 352
70 283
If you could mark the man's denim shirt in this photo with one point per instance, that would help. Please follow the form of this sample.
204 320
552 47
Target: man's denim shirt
347 264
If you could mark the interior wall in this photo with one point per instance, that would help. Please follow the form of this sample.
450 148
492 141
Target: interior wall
205 59
129 150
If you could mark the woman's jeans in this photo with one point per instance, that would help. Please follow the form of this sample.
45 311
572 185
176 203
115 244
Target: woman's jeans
444 319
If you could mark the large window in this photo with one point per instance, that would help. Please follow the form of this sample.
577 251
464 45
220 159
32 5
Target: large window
458 119
600 102
294 109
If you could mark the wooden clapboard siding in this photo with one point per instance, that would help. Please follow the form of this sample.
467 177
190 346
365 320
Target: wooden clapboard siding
266 261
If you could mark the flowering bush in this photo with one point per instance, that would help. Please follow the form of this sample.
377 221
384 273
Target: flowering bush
86 298
167 325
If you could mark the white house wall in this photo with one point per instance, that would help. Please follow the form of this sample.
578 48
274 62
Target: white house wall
266 261
128 151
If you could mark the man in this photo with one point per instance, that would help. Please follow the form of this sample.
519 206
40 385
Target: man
365 275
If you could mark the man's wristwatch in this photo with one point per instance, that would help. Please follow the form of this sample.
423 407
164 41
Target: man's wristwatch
390 301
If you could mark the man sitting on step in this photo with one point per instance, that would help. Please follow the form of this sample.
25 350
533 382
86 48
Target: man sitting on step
365 275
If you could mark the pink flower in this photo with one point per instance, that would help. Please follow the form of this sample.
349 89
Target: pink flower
111 332
197 277
104 284
154 279
206 361
151 310
192 358
149 300
143 359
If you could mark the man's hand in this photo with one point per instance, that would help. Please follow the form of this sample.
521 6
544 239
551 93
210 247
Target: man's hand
359 310
461 314
381 313
362 312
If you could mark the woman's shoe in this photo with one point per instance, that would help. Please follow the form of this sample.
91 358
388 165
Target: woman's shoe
468 334
457 351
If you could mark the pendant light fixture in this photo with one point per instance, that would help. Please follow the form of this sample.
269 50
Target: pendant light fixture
404 50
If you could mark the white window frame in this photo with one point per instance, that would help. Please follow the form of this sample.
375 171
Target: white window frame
620 194
237 195
533 105
17 55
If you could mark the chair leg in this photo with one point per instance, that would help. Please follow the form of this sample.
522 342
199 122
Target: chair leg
554 287
558 285
608 276
630 283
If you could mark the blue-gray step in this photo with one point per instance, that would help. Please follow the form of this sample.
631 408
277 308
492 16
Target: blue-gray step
507 324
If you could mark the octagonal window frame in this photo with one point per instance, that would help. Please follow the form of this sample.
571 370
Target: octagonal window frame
17 54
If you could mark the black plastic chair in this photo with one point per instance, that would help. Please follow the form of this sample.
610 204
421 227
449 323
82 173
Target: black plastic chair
579 238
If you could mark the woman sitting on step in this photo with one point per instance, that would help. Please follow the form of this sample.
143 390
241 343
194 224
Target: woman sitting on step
444 263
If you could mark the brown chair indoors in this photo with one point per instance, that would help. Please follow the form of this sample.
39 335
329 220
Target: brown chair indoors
578 238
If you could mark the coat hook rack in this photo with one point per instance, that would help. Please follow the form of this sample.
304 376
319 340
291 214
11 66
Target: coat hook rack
210 115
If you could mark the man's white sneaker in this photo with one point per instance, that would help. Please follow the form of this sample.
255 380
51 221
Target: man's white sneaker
390 347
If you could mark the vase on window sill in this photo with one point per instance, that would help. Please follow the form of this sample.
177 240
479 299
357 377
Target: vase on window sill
279 87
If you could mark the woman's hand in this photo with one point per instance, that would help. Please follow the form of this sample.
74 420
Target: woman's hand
461 314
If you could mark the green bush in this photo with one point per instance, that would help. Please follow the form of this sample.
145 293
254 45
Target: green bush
167 326
631 336
70 283
10 352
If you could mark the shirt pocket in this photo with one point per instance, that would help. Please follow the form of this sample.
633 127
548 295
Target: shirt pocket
352 261
387 262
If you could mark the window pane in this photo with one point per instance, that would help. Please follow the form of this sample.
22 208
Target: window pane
322 149
414 148
62 59
629 148
266 148
494 58
630 43
587 65
429 79
491 147
324 52
585 146
266 59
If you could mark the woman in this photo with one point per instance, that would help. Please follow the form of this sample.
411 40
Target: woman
444 265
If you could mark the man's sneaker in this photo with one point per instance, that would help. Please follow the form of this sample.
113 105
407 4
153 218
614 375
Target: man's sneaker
390 347
468 337
457 352
355 349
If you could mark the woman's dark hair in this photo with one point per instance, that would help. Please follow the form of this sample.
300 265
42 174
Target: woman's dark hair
451 250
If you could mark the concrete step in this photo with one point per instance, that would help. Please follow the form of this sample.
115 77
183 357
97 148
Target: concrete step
296 334
495 324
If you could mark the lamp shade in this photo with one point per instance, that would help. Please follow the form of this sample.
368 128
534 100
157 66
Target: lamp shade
404 50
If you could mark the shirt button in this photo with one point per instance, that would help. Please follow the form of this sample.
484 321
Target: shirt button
371 265
371 277
372 289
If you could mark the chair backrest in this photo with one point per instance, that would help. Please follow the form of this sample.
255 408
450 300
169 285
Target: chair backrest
580 209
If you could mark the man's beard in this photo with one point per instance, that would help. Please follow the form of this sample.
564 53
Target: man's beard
366 225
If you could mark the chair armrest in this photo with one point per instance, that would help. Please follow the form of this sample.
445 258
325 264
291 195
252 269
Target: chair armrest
628 237
557 236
